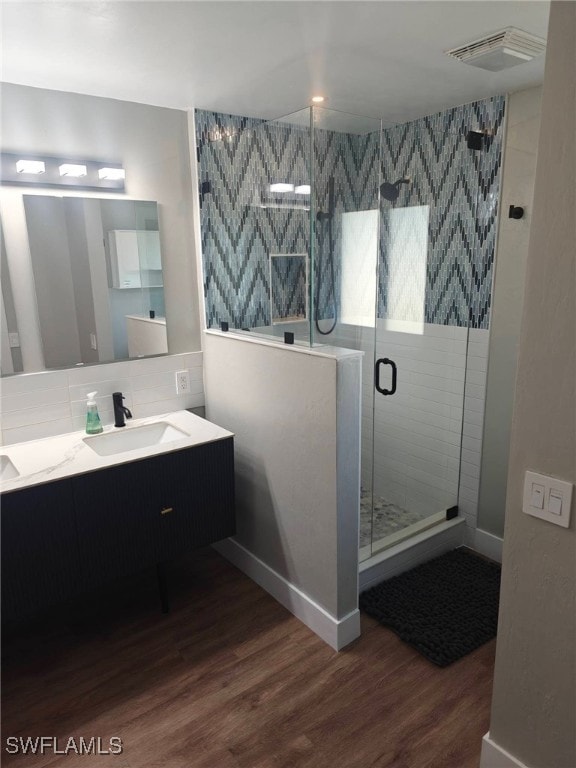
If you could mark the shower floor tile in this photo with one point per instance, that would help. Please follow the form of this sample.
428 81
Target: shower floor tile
387 518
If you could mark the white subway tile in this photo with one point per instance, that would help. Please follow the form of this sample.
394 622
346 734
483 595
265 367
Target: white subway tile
167 406
474 417
456 426
159 364
477 363
472 484
152 380
196 373
479 336
468 506
468 494
37 431
153 394
475 404
32 382
106 418
32 399
194 360
472 458
472 443
96 373
104 403
28 416
476 377
103 388
475 390
472 430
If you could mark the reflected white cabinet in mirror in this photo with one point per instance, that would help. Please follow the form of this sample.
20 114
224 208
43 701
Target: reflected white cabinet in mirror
96 263
135 258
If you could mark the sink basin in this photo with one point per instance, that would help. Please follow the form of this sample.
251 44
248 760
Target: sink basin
133 438
7 469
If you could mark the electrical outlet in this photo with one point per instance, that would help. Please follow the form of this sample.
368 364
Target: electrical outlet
182 382
13 339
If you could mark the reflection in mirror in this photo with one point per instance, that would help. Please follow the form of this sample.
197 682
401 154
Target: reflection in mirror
98 278
10 353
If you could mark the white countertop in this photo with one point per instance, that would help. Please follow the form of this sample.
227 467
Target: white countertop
53 458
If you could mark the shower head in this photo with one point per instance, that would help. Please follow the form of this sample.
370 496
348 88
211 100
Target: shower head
391 191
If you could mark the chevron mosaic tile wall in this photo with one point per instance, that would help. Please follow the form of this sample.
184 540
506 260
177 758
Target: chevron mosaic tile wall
242 223
460 186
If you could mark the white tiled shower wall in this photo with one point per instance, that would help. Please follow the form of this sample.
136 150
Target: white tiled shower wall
49 403
417 432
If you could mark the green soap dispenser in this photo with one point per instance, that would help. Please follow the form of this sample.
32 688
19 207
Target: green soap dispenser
93 423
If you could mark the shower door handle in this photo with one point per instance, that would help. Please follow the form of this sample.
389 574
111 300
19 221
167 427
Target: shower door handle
392 364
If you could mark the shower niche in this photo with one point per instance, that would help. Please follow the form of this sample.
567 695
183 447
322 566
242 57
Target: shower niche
364 234
288 288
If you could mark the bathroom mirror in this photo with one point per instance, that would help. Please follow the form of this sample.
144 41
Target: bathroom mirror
97 270
10 353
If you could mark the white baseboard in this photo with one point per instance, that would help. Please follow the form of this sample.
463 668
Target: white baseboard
431 543
336 632
487 544
493 756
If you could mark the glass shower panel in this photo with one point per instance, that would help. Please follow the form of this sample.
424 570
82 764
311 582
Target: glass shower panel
255 192
346 151
426 251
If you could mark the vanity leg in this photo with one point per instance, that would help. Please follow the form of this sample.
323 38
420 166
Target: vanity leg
163 587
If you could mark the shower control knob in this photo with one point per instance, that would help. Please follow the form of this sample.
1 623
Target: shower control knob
515 212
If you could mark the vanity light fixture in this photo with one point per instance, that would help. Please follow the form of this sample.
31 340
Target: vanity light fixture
73 172
281 186
317 99
302 189
30 166
72 169
112 174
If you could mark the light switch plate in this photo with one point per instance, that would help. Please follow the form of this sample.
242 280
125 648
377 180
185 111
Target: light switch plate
557 498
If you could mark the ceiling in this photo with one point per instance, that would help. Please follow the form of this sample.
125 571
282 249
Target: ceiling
266 58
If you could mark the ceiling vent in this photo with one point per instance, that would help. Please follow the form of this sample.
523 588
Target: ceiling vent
501 50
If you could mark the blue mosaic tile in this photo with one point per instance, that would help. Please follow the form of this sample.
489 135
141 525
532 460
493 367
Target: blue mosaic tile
240 228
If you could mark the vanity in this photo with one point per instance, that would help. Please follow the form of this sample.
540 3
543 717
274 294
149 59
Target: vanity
81 511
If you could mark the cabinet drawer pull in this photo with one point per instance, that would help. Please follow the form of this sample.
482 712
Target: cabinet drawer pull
166 510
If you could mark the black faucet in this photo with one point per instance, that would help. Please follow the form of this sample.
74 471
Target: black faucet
120 411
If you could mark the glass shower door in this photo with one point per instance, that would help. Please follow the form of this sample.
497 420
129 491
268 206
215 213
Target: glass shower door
425 257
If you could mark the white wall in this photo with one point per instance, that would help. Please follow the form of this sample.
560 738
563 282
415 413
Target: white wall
518 172
534 698
295 413
152 145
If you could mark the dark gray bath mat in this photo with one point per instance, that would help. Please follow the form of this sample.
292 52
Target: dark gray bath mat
444 608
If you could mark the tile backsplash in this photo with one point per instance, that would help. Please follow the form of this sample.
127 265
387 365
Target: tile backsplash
49 403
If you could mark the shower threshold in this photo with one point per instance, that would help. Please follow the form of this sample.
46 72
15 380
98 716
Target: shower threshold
383 524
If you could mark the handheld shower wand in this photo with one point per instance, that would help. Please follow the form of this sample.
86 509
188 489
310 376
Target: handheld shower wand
327 216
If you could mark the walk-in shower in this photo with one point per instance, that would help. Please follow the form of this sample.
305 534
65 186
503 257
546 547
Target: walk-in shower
340 230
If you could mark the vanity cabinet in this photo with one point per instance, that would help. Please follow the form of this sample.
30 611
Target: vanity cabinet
72 535
147 512
40 558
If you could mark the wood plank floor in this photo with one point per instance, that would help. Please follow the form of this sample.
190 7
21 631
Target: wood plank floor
230 679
